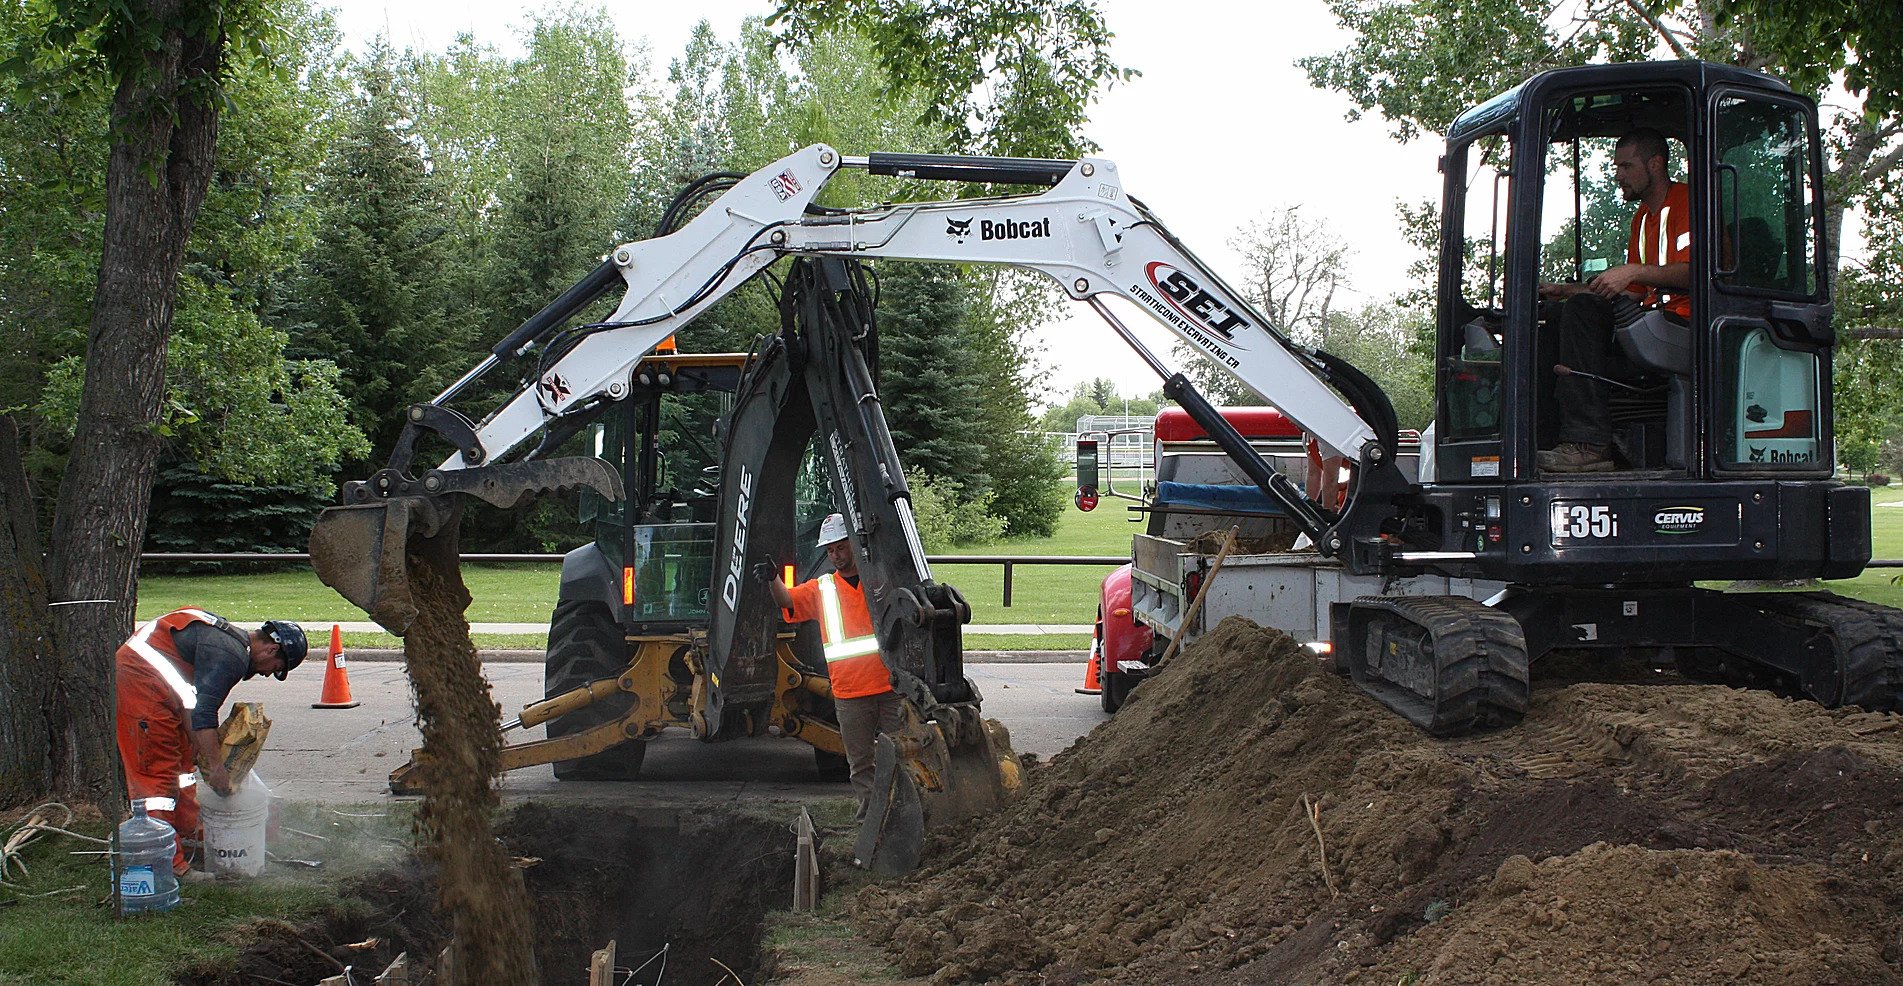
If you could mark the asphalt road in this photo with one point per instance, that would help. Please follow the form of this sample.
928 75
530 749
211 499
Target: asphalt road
344 756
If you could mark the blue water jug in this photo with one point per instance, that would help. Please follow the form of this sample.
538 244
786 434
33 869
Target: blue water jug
144 870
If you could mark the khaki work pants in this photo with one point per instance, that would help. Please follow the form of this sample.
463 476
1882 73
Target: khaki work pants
861 720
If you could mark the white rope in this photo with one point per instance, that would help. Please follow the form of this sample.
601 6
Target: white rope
29 830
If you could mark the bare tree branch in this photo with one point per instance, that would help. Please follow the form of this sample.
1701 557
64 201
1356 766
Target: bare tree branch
1668 35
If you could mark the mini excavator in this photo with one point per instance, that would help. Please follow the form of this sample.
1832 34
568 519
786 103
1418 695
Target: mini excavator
1726 449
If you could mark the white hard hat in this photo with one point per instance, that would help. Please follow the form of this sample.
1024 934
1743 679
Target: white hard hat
832 529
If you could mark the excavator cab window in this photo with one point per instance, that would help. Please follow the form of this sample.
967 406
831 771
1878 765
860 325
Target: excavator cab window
1585 229
1771 326
1472 372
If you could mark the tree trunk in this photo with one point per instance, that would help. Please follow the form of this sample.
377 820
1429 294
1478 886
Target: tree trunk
27 671
162 140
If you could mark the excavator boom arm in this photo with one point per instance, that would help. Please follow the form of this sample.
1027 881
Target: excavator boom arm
1084 232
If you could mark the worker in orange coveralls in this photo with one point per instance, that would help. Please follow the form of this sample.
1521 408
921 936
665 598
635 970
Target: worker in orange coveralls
172 676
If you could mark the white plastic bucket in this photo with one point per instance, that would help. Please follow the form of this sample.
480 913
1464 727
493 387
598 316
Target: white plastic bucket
234 826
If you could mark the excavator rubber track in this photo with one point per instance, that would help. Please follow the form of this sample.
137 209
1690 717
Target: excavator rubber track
1865 639
1448 664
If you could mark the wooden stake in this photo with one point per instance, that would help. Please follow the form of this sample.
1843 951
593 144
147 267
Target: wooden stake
805 865
601 966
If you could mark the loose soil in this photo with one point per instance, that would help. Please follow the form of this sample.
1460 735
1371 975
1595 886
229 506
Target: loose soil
1250 817
478 889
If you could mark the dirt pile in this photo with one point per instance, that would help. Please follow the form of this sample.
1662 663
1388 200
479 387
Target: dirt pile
479 890
1250 817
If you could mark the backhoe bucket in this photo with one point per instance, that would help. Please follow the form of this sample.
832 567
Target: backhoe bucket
366 552
924 781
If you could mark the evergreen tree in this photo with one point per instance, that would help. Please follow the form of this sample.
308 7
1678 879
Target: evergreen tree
368 293
930 390
567 139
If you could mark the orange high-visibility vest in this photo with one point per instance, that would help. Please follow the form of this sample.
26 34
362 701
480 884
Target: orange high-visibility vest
852 650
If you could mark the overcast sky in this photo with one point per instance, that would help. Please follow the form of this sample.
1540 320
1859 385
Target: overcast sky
1221 128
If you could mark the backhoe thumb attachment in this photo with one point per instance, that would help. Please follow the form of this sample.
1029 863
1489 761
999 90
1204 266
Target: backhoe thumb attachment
391 525
925 779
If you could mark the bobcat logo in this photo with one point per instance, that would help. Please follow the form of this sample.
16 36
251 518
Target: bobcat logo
1757 454
958 229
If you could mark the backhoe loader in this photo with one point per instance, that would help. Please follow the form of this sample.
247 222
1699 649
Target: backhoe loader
1727 456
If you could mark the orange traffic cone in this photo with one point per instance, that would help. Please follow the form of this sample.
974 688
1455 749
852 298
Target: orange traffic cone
336 679
1092 684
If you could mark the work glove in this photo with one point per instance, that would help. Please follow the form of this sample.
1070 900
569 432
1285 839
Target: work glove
765 571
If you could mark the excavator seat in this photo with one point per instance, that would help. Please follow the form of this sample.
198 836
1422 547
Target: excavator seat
1660 347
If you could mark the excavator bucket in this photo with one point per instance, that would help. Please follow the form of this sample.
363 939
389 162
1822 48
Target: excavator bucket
368 548
924 780
367 552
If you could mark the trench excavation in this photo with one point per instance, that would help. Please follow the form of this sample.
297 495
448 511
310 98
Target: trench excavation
684 894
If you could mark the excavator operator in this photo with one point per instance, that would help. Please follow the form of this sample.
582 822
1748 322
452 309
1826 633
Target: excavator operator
862 687
170 679
1656 273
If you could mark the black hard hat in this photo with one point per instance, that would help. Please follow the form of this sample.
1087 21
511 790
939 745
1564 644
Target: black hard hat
291 643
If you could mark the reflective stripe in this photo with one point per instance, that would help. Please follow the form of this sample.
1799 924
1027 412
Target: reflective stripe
1665 223
1684 241
163 665
160 804
186 780
840 647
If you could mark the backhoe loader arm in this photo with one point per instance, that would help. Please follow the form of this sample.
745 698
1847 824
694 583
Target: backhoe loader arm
813 382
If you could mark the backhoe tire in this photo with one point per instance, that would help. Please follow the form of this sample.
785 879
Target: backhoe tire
833 767
586 645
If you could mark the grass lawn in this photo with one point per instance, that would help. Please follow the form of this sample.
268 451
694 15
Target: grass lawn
70 936
1048 594
1061 594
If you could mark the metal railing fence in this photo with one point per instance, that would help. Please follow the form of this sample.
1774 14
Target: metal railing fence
1010 562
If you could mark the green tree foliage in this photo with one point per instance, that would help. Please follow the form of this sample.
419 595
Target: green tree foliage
233 402
1027 482
931 394
948 516
1819 38
1012 78
1393 344
249 516
566 139
371 292
1868 378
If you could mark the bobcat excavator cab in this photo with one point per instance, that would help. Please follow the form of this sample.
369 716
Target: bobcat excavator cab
1721 420
1606 560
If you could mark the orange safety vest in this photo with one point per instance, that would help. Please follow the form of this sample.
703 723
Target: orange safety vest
1661 238
852 650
